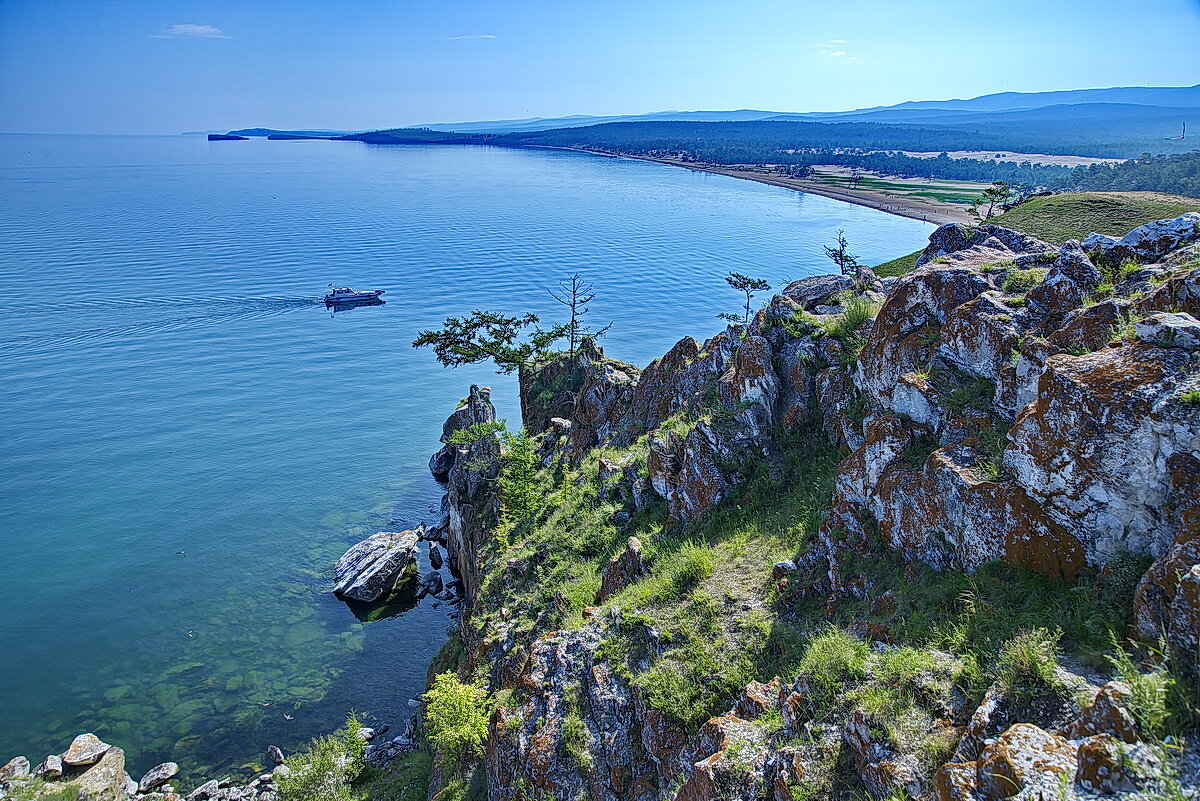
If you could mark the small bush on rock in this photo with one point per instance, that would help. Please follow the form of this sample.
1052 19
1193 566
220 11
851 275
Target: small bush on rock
327 771
1029 658
456 715
833 658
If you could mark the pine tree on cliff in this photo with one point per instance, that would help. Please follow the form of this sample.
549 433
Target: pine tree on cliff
575 292
749 286
488 336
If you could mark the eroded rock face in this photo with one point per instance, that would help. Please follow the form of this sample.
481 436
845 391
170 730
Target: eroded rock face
471 499
373 569
625 568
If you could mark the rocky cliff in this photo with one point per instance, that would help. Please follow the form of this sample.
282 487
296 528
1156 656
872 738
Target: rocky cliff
927 537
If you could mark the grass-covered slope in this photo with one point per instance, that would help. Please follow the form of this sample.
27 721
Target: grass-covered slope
1057 218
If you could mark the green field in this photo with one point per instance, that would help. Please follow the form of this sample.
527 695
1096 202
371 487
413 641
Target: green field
1057 218
946 191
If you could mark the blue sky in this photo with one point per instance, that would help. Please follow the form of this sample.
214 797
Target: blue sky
166 66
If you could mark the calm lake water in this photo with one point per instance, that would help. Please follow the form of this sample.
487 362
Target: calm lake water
189 440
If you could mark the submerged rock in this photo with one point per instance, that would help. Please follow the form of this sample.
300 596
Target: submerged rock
373 568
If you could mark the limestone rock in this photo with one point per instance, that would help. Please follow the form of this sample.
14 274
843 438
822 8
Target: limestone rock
1098 419
274 755
372 569
84 750
1152 240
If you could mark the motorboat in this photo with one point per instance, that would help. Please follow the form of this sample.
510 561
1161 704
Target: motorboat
345 294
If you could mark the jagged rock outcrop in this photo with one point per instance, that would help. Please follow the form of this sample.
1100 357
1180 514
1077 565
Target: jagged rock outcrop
1004 404
471 501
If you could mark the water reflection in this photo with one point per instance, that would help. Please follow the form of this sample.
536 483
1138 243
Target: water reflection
336 306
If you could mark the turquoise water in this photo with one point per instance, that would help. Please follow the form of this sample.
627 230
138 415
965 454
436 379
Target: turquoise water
169 384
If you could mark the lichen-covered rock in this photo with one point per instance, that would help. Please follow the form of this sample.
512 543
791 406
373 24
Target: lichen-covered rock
157 776
1098 419
882 769
817 290
1180 293
84 750
1023 762
734 769
471 499
902 336
15 768
1108 714
955 781
1101 767
606 392
104 780
979 337
751 388
685 472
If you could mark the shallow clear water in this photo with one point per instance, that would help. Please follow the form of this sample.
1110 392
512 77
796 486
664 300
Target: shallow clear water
169 384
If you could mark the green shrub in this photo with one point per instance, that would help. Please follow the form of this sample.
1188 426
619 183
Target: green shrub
327 770
406 778
474 433
833 658
1191 396
456 716
520 496
1029 658
1021 281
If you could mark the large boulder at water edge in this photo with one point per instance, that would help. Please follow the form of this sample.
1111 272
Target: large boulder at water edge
375 567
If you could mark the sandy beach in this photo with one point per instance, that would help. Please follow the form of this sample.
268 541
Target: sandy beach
924 209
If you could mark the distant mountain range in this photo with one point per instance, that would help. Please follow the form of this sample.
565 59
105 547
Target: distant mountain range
942 112
1116 122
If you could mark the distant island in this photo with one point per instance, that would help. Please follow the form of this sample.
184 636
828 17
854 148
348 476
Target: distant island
223 137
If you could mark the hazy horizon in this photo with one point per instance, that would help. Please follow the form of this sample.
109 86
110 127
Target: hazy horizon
136 66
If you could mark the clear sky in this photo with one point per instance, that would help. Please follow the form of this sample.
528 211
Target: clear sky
167 66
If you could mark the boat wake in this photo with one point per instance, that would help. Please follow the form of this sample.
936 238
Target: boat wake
118 319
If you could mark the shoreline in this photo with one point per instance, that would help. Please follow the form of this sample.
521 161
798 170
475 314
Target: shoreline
934 212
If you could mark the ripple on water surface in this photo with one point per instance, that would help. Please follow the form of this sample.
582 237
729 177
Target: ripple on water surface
170 384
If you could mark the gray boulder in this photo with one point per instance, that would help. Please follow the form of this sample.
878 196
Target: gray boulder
1171 330
1151 241
435 557
274 755
51 768
432 582
15 768
373 568
157 776
85 750
815 290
